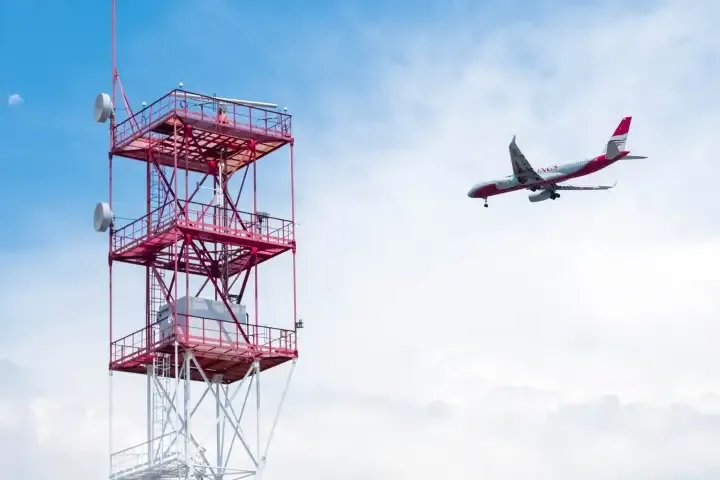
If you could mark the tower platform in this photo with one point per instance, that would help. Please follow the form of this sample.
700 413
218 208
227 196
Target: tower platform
200 128
147 238
219 349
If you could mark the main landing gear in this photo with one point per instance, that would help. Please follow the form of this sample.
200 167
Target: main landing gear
554 196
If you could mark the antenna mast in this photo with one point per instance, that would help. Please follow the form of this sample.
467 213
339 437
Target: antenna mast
195 349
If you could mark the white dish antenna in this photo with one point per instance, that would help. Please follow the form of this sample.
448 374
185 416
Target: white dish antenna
249 103
104 108
104 218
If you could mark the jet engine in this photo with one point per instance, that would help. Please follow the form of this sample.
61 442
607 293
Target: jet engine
543 195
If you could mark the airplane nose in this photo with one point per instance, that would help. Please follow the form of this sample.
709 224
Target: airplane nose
473 191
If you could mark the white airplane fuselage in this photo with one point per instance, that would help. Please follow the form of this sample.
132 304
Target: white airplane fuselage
551 175
545 182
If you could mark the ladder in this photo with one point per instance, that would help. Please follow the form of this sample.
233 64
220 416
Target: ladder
162 423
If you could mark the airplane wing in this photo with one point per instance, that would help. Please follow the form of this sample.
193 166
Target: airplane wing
521 167
584 188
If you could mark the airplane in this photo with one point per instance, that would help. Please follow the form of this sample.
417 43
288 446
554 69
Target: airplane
544 182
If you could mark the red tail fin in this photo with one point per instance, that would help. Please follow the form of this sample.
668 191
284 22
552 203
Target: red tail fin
616 143
623 128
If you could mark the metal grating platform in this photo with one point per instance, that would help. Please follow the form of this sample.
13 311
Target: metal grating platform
195 124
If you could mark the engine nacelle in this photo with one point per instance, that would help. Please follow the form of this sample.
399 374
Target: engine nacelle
540 196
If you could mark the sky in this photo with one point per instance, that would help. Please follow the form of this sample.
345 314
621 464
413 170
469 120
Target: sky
565 339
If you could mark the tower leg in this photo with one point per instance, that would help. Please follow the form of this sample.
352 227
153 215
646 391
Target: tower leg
256 366
186 405
150 394
219 425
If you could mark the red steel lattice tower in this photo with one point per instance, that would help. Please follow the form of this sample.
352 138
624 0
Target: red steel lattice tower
202 339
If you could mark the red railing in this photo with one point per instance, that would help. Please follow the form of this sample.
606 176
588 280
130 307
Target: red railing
135 346
237 223
134 232
204 108
205 217
203 334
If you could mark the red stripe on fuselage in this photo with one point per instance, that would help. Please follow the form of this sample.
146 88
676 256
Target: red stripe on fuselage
598 163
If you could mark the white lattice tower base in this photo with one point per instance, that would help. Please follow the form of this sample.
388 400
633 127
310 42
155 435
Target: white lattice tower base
174 449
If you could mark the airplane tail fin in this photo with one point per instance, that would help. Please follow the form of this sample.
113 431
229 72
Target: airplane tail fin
616 143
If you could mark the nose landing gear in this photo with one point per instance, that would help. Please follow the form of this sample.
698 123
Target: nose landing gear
486 205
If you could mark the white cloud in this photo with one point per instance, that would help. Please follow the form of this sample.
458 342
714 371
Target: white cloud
423 309
15 99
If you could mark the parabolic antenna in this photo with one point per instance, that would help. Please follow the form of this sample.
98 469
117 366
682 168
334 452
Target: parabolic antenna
104 217
104 108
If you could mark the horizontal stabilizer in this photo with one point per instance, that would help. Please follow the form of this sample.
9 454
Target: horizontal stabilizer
633 157
585 188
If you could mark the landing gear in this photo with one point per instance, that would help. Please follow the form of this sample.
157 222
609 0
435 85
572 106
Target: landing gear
486 205
554 196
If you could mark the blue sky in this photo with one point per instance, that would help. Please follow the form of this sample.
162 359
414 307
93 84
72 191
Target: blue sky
57 57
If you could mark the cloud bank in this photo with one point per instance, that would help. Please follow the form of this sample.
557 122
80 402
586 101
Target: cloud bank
524 341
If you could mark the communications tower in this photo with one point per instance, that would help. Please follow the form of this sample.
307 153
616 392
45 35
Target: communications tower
202 344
